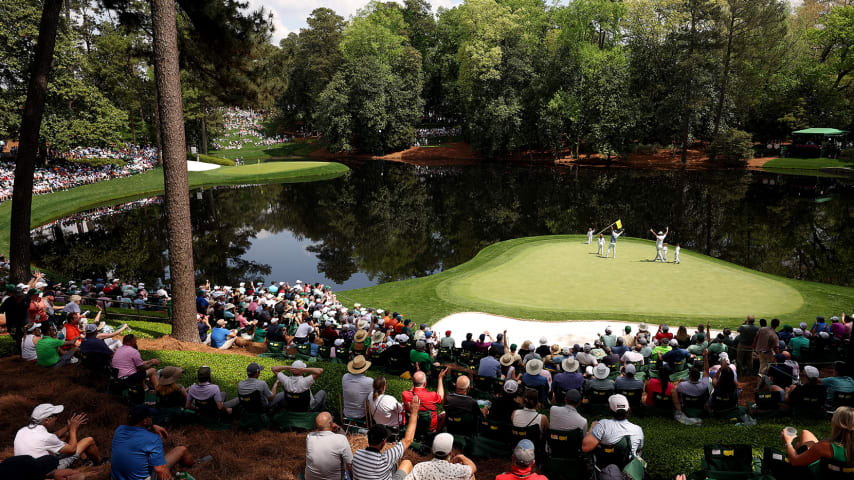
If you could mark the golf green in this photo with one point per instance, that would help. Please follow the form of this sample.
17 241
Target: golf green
565 274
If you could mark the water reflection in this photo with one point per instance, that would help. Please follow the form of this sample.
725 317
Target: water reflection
384 222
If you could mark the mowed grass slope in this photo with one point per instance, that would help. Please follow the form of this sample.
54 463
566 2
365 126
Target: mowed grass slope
47 208
561 278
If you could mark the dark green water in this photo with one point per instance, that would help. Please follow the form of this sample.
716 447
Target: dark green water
384 222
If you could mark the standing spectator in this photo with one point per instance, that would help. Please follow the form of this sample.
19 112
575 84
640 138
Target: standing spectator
378 463
429 400
441 467
41 437
610 430
301 380
327 453
356 387
522 467
746 335
15 307
765 343
138 449
798 342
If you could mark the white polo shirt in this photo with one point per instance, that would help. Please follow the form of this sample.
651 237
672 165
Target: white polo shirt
37 442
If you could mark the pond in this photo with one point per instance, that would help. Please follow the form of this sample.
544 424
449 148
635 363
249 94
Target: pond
386 221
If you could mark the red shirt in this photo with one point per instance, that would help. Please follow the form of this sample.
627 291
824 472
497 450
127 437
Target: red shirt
519 473
654 386
429 401
660 335
71 331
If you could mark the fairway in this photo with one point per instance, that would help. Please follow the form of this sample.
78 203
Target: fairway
563 275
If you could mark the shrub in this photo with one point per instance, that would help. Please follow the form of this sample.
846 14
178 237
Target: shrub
211 159
847 155
731 148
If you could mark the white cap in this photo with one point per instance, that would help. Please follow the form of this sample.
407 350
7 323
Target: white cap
298 364
443 443
543 340
810 371
46 410
618 402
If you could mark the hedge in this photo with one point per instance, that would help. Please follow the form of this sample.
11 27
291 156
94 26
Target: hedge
225 162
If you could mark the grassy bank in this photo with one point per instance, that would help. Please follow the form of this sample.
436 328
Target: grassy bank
264 153
47 208
805 163
529 293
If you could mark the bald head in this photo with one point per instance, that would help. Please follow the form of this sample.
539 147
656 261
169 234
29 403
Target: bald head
419 379
323 422
462 384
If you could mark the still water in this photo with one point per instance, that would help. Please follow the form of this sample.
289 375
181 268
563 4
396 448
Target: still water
383 222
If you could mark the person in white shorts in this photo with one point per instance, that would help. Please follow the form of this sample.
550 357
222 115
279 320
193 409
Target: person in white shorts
676 256
664 253
615 234
601 245
659 243
589 235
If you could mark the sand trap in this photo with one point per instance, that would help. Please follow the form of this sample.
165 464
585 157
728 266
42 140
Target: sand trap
193 166
562 333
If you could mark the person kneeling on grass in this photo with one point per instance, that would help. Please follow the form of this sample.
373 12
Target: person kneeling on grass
138 452
839 446
36 439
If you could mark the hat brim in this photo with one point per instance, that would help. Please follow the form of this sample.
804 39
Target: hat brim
356 371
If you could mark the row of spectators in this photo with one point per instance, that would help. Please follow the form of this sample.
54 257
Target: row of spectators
248 126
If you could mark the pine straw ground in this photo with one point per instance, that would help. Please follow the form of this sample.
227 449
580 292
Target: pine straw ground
264 455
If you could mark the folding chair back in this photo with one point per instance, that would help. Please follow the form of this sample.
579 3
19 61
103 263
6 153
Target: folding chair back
728 458
324 352
251 403
304 349
776 463
463 424
842 399
275 347
207 407
599 397
635 396
565 443
298 402
495 430
767 400
662 401
619 454
835 470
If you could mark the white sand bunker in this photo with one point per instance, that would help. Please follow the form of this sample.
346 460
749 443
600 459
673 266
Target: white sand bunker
562 333
193 166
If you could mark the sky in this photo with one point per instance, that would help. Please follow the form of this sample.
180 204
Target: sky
289 15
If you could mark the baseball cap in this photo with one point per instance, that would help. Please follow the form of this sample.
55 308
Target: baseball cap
674 343
618 402
443 444
511 386
573 396
630 368
298 364
46 410
254 368
91 328
139 413
524 453
810 371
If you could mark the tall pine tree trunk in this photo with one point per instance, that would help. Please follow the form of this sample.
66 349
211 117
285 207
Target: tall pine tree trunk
31 121
177 194
724 77
686 102
157 137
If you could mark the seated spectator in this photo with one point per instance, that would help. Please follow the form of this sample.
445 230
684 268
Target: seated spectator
600 380
169 392
95 342
663 335
585 358
522 466
567 417
203 325
482 345
609 431
838 447
696 386
205 390
784 371
447 341
619 349
723 386
505 402
50 353
307 327
700 344
627 380
609 339
443 465
533 378
508 367
138 453
223 338
269 398
128 362
359 347
28 344
812 387
723 357
43 437
675 355
327 452
659 385
379 463
819 326
569 378
489 365
385 409
420 357
428 400
356 387
839 382
798 342
528 415
459 402
633 356
300 380
25 467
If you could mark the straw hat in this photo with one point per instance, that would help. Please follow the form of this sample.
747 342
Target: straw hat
569 365
76 298
534 367
555 349
377 336
170 375
360 336
506 359
358 365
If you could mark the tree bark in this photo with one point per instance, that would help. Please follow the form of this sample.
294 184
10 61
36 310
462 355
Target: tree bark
686 102
31 121
724 76
157 136
204 146
177 195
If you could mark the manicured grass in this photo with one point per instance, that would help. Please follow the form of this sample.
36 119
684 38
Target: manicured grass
806 163
263 153
560 278
47 208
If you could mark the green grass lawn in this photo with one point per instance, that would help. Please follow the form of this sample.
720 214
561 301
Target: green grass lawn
560 278
264 153
47 208
805 163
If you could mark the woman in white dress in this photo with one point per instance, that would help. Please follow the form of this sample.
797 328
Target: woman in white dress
385 409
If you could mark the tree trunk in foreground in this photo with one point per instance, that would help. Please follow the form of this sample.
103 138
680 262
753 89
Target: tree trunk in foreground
31 122
177 194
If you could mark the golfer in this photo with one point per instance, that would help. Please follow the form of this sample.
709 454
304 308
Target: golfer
589 235
615 234
601 245
659 243
676 254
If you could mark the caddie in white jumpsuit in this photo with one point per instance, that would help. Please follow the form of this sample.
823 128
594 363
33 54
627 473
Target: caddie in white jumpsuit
615 234
659 244
601 245
590 236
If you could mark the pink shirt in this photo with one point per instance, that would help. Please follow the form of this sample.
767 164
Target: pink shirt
126 360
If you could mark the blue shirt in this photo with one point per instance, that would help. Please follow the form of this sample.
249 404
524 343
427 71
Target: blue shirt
837 384
203 331
202 305
218 336
567 381
675 356
135 451
489 367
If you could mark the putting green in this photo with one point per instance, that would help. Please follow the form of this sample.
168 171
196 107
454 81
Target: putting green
555 274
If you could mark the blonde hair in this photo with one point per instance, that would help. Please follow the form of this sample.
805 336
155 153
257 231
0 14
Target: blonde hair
379 387
842 430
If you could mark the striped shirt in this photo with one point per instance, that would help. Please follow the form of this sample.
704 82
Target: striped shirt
371 464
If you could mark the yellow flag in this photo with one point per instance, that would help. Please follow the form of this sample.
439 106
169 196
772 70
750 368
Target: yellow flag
619 225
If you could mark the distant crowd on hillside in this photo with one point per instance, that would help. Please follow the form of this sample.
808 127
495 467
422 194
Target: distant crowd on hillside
248 125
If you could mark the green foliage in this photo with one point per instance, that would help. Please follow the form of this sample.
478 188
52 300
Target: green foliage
98 162
211 159
732 148
847 155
